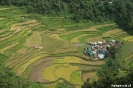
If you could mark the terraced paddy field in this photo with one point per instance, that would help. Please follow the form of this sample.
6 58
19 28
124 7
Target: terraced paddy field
50 53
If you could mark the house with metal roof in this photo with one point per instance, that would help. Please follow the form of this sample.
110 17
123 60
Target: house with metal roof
88 50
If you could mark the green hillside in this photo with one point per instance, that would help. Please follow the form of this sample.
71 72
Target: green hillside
42 43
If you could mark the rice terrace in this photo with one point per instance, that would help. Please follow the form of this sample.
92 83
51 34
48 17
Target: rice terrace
43 49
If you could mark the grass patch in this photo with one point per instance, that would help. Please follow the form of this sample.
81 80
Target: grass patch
77 60
34 39
91 75
12 50
51 85
130 63
128 60
95 39
15 58
112 32
79 26
48 73
68 59
3 31
118 34
52 44
126 51
76 78
6 33
55 36
64 85
106 28
8 47
77 39
87 67
26 24
86 37
81 50
21 51
1 18
18 37
71 48
23 60
73 35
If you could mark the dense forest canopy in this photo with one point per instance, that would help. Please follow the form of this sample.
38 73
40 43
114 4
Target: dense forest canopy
108 76
120 11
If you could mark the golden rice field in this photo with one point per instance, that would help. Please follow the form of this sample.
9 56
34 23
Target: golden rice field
73 59
55 36
112 32
118 34
65 71
14 26
56 71
48 73
63 68
68 59
129 38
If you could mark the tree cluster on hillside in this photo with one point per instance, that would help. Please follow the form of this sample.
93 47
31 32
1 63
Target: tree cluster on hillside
93 10
109 75
120 11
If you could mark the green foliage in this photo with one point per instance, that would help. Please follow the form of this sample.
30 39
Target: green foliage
108 74
120 11
64 85
110 66
72 35
2 57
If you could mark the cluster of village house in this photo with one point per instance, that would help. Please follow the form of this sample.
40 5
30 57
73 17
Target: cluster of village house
99 49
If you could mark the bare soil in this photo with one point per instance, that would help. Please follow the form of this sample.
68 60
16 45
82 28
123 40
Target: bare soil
36 74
